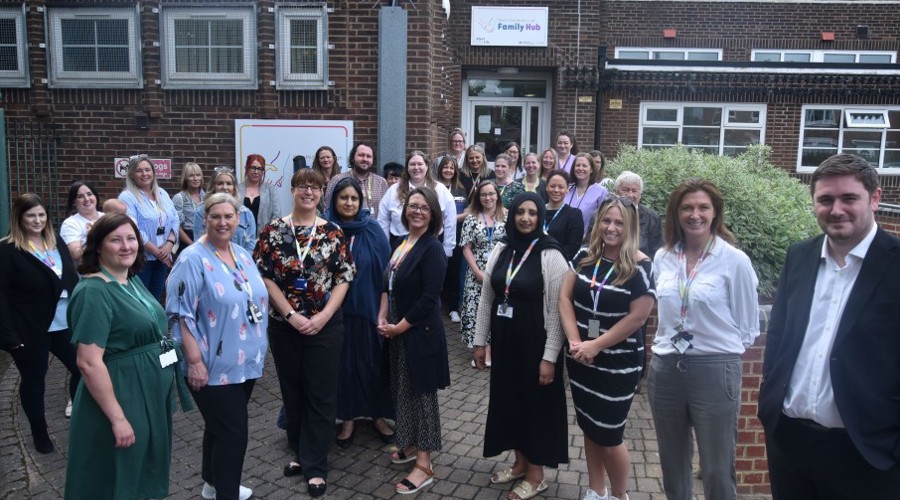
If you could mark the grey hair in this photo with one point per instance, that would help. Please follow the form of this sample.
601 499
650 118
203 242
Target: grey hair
629 177
217 198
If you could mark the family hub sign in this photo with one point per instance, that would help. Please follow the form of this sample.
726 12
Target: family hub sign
510 26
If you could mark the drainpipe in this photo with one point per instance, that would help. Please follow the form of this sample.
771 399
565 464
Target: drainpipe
598 98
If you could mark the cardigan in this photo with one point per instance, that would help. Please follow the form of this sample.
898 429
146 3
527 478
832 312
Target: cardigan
269 206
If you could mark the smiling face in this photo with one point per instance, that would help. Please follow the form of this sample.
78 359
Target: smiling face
501 170
447 171
457 144
548 163
531 165
255 171
513 151
582 171
34 220
474 160
526 217
142 175
563 145
629 190
347 204
696 215
326 161
612 228
119 249
418 214
225 184
221 221
417 169
556 189
844 209
85 201
306 197
488 195
363 159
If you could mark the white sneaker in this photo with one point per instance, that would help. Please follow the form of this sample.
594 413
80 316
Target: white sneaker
69 409
593 495
454 317
209 492
617 498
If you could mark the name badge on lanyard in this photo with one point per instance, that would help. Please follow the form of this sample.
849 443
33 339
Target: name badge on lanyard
594 323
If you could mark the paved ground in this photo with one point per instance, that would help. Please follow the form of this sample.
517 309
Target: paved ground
363 471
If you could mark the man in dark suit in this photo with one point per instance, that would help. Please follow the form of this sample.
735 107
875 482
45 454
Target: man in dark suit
830 395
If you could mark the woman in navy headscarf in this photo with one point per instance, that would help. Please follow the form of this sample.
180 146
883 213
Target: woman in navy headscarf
363 383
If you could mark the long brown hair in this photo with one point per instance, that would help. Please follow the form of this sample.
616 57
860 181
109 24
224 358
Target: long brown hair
403 185
673 232
17 236
475 205
626 265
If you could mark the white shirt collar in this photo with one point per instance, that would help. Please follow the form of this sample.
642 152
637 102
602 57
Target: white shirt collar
859 251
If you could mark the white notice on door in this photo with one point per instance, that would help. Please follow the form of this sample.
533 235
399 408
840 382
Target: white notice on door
484 124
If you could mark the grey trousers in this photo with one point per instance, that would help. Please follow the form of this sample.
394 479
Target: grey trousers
702 392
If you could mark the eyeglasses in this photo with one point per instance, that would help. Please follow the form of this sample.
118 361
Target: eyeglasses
422 209
457 142
257 169
488 195
310 188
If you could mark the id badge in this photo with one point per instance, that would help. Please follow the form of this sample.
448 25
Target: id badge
505 311
593 328
253 313
682 342
168 358
300 284
160 231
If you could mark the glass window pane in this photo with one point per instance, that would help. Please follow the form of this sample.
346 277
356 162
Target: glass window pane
227 32
669 56
714 150
700 136
796 57
703 56
112 32
854 139
767 56
742 137
191 60
634 54
191 33
9 60
839 58
507 88
743 116
662 115
892 159
823 118
227 60
303 61
875 58
304 32
79 59
660 136
892 139
702 116
813 157
77 31
733 151
112 59
8 31
819 138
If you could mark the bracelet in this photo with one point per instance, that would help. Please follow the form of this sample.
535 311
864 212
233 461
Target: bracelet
170 241
288 315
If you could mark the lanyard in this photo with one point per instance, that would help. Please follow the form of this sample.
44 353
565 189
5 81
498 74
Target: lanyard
397 258
573 194
134 294
352 240
595 294
510 273
547 224
240 277
684 285
302 253
44 256
489 230
533 188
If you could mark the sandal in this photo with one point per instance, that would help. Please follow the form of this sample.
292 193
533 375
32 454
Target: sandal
293 469
525 490
505 476
401 457
412 488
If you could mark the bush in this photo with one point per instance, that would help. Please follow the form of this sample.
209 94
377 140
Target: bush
767 209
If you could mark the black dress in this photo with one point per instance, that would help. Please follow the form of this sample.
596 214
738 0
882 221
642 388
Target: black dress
566 225
522 414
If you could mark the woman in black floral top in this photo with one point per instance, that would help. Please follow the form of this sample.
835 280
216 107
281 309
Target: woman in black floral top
306 264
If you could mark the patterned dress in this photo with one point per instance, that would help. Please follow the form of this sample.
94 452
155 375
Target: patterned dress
483 240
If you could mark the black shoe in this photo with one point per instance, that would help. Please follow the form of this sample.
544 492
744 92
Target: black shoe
293 469
346 442
385 438
42 441
316 490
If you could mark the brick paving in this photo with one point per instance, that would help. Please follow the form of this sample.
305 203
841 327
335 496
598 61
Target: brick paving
363 471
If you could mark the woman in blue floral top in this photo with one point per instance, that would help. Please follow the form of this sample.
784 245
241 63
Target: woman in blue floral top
306 264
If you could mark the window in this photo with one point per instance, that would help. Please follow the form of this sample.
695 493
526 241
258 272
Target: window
826 56
94 47
13 48
301 35
870 132
721 129
209 47
669 54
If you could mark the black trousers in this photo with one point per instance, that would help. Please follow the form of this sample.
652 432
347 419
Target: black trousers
807 462
32 362
224 410
307 367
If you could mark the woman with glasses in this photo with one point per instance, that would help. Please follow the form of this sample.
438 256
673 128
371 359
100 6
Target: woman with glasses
82 205
513 150
416 175
708 315
224 181
456 148
189 201
151 207
605 299
563 222
585 194
410 318
518 310
307 267
483 228
256 194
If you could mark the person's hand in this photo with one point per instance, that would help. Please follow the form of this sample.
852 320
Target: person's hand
585 352
164 253
389 330
546 371
197 376
480 355
123 433
299 322
479 275
314 324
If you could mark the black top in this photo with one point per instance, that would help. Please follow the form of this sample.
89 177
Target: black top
567 226
253 206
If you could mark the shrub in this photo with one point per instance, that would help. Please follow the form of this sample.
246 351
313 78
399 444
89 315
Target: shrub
766 208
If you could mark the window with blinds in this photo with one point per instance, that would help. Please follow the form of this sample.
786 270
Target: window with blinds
302 47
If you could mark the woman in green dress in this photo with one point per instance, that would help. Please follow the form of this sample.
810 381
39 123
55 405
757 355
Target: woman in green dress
120 437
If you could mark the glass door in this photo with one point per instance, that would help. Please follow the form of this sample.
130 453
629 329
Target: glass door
495 123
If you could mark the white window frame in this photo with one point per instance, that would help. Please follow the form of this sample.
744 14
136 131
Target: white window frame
172 79
59 78
845 126
678 123
17 78
818 56
285 79
652 51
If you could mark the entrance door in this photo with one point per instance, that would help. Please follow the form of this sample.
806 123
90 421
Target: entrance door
498 111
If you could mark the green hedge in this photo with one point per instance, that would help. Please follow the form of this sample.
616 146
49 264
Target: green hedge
767 209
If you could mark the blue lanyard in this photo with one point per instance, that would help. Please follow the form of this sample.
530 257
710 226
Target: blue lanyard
489 230
547 224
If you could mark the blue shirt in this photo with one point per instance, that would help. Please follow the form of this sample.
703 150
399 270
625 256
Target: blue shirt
214 307
244 234
151 215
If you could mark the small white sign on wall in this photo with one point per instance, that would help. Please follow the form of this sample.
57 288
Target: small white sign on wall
510 26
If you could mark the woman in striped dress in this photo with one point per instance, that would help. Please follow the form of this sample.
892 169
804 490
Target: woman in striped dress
605 299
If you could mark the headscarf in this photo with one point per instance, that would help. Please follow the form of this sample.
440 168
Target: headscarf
518 241
370 250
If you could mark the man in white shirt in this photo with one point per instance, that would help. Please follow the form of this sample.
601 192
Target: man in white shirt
830 396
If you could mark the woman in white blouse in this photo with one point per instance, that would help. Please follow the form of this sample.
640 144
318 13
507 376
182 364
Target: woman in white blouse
416 175
708 315
82 205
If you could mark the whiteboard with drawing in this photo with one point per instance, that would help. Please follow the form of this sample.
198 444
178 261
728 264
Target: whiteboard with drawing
279 141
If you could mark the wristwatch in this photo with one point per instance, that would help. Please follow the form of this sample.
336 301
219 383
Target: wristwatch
288 315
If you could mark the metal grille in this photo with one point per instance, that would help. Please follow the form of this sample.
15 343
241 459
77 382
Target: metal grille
209 46
304 46
33 168
9 50
95 45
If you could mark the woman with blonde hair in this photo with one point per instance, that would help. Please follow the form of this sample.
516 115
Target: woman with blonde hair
549 161
474 169
189 201
224 181
604 301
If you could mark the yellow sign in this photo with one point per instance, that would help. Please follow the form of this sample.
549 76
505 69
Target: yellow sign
615 104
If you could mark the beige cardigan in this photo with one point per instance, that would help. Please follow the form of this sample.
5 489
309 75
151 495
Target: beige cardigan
553 269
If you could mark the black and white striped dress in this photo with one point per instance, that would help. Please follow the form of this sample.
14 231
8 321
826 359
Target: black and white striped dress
602 392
